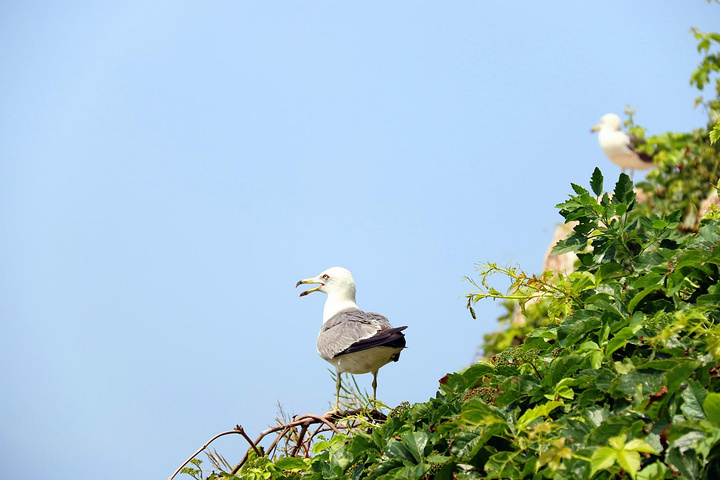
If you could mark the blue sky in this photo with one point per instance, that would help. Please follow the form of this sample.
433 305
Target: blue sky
169 170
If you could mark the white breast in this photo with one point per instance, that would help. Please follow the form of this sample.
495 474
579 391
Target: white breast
364 361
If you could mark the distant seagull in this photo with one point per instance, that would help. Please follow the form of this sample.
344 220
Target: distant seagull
352 340
620 147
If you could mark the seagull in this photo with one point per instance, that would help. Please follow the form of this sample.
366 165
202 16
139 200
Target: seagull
620 147
350 339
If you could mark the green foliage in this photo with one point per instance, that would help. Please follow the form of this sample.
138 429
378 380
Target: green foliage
634 363
687 163
621 456
709 68
195 471
686 170
623 381
715 132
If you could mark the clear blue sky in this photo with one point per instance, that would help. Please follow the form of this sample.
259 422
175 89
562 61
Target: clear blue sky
170 169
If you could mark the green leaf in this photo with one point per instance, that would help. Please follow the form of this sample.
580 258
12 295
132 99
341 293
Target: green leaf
611 427
476 372
438 459
415 443
466 444
679 374
607 271
501 465
594 354
639 445
618 442
602 459
709 299
477 412
711 406
629 461
571 244
534 413
715 134
654 471
397 449
292 464
693 398
623 192
579 190
686 464
319 446
659 224
640 296
619 340
577 327
563 367
410 472
596 182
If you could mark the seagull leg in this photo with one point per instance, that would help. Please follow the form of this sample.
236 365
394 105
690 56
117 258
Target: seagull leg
374 384
337 392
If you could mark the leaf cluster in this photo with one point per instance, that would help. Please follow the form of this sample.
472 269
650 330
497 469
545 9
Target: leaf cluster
625 383
687 164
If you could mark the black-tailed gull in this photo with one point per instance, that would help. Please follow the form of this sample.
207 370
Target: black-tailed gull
350 339
620 147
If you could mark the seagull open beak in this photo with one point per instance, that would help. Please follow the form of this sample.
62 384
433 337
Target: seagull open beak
595 129
309 280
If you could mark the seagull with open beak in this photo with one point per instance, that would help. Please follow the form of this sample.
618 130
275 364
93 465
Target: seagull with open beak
350 339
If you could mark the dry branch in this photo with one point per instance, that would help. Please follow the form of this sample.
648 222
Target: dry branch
326 423
237 430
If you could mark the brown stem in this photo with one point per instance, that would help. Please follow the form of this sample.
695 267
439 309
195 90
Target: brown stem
284 429
304 421
276 441
301 435
319 418
238 429
536 371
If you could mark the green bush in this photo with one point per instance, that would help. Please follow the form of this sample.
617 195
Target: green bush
624 381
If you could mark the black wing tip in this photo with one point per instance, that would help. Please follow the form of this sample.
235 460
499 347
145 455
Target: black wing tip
391 337
645 157
634 143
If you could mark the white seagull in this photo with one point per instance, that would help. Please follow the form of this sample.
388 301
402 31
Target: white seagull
350 339
620 147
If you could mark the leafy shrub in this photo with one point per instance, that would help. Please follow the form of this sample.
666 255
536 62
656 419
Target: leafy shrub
687 163
625 381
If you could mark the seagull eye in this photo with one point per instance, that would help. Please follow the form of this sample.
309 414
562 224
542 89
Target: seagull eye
325 277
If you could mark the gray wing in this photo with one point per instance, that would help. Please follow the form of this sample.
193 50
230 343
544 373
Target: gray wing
354 330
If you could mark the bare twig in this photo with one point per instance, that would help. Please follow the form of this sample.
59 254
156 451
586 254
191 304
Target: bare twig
301 435
285 428
241 431
323 419
326 423
237 430
303 420
276 441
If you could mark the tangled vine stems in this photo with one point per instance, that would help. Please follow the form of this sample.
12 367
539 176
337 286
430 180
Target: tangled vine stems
334 422
237 430
523 287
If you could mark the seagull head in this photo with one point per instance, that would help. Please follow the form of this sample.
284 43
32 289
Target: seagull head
333 281
609 121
